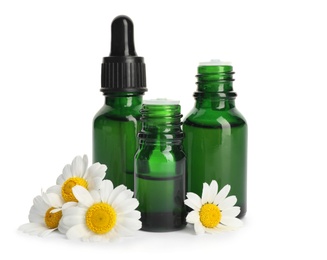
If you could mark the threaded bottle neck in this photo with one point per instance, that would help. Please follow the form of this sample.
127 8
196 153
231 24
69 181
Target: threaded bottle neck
161 121
216 80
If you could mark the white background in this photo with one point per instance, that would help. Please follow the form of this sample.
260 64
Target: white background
51 54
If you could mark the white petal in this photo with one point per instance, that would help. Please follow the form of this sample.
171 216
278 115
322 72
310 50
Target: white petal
123 231
39 205
45 199
55 189
199 229
222 194
85 161
210 230
74 211
218 229
115 192
60 180
36 212
69 205
190 204
127 227
124 195
55 210
28 227
38 200
232 212
113 235
46 232
82 195
78 168
205 193
94 183
35 229
73 220
66 174
95 195
97 170
222 228
127 206
105 190
68 212
34 217
78 231
54 200
62 227
129 223
193 201
227 203
231 222
213 191
193 217
135 214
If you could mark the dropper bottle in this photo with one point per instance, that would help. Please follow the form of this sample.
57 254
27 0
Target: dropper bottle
116 125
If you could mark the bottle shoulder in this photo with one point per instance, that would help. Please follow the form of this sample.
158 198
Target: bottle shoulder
102 111
215 118
126 114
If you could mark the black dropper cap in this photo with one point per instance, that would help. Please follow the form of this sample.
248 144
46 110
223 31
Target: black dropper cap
123 70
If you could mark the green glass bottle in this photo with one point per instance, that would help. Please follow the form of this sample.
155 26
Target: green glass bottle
116 125
215 140
160 167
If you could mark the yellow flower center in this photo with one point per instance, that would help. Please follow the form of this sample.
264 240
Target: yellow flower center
66 189
101 218
52 219
210 215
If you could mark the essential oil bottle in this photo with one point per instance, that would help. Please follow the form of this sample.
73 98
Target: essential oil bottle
215 140
160 167
116 125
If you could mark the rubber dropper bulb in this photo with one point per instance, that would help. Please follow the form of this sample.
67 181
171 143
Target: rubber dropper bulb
122 37
123 70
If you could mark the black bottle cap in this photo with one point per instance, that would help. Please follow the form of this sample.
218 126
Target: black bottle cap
123 70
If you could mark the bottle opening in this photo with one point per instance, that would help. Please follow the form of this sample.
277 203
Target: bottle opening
161 101
215 62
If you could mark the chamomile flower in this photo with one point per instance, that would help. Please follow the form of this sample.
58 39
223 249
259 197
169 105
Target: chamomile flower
77 173
102 214
44 215
213 212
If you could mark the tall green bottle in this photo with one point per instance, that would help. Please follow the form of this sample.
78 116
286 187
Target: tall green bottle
215 140
160 167
116 125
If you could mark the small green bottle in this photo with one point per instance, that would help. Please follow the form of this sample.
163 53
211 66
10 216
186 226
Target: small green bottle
116 125
160 167
215 140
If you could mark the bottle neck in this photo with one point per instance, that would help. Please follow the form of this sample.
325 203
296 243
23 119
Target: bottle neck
161 124
215 87
124 99
214 101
